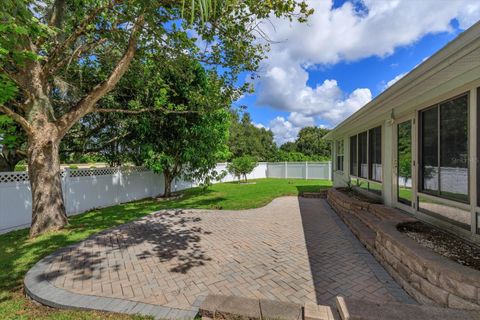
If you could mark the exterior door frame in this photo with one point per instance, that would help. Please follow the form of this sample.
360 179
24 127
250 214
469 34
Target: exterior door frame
403 206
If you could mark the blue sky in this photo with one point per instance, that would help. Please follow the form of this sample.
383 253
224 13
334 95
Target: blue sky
346 55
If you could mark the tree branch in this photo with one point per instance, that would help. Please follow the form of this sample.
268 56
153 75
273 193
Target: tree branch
17 118
86 105
51 65
143 110
57 14
98 148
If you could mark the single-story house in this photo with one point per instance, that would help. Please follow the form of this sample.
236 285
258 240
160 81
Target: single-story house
416 145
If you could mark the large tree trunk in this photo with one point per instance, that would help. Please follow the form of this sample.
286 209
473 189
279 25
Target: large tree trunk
168 184
48 209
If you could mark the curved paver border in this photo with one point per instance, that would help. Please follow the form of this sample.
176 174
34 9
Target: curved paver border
41 290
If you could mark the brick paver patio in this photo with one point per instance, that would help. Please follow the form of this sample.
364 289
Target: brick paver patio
294 250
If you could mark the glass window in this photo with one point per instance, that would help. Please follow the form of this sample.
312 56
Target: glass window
375 187
444 149
363 155
478 221
447 212
454 148
429 152
375 153
353 156
339 155
404 162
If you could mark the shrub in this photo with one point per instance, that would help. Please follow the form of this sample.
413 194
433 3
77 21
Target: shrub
242 166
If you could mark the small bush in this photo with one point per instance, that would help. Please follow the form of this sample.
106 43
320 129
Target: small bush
242 166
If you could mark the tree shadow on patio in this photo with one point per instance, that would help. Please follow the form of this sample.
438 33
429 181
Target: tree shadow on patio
168 236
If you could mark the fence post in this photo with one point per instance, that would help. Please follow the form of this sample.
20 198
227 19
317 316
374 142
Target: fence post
118 189
306 170
330 170
286 170
66 185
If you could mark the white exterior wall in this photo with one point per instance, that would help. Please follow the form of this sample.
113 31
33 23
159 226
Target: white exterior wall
451 72
87 189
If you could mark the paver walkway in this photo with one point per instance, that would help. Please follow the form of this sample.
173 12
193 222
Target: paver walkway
293 249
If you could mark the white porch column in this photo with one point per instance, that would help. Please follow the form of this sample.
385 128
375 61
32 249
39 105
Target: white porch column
388 145
473 157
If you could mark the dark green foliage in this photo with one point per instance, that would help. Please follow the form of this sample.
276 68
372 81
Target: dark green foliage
12 144
310 142
247 139
188 144
309 146
241 166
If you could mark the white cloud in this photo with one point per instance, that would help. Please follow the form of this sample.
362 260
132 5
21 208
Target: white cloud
469 14
344 34
300 120
394 80
326 101
259 125
283 130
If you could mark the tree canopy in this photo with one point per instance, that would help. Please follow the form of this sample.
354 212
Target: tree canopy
59 59
247 139
188 144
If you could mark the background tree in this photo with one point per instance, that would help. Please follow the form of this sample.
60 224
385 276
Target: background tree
242 166
247 139
45 46
292 156
289 146
310 142
188 144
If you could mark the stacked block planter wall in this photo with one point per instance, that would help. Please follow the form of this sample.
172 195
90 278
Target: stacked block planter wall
427 276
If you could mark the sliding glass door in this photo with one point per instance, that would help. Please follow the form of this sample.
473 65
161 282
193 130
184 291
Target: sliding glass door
404 157
404 163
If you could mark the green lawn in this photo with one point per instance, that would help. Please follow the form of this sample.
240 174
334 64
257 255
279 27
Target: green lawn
18 253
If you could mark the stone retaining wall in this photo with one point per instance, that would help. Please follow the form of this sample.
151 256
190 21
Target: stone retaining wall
427 276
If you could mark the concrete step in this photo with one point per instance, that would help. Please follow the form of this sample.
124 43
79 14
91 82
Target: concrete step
355 309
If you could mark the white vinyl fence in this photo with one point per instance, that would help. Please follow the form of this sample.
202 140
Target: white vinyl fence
300 170
86 189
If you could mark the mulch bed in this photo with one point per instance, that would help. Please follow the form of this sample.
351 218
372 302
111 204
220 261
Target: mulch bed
443 243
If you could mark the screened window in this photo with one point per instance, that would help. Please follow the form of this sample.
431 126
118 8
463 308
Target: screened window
363 155
366 154
375 155
353 156
444 149
339 145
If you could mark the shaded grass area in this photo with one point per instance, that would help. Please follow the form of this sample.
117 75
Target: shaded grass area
18 253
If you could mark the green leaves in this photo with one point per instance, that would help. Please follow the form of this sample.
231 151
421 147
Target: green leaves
8 89
207 9
242 166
